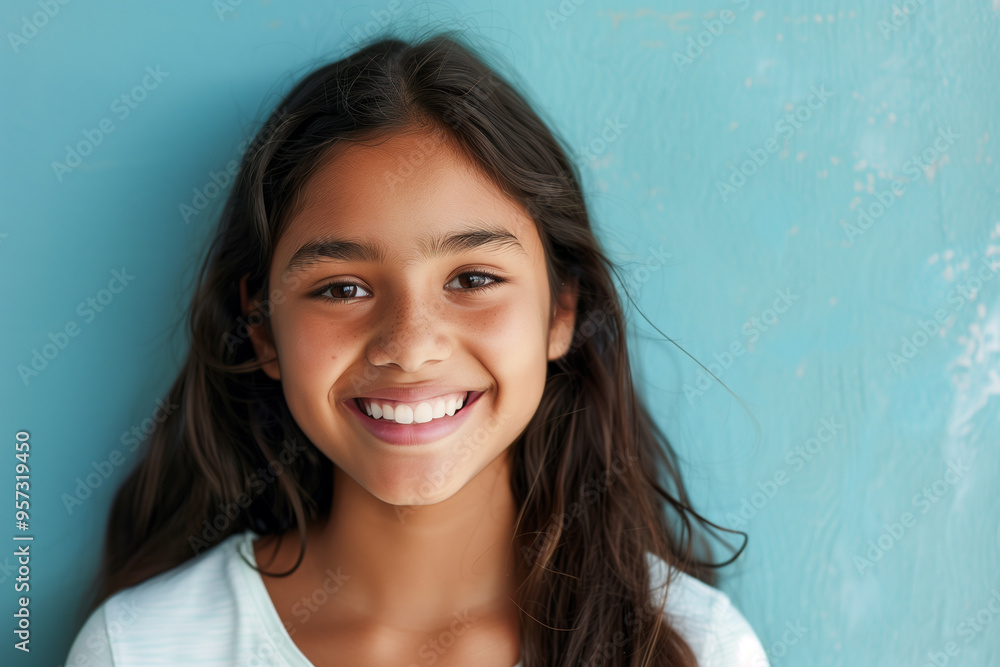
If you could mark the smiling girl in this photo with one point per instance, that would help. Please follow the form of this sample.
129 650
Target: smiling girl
408 433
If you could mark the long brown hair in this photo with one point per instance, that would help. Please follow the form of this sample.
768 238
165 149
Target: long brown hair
596 482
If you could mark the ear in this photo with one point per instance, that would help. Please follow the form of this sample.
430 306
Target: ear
563 321
260 338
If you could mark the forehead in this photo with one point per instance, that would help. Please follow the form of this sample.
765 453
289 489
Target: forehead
402 190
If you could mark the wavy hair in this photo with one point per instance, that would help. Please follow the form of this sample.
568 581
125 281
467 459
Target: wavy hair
597 484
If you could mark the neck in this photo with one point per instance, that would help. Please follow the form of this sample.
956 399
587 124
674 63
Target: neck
452 559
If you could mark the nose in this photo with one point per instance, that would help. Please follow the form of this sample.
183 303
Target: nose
412 331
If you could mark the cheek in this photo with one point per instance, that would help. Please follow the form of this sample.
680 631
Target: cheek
310 348
511 343
511 333
313 353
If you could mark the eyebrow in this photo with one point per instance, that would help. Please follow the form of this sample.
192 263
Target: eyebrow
488 238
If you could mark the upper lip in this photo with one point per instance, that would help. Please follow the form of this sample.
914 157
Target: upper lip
410 393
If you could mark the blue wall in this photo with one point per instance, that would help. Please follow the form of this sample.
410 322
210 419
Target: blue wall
821 178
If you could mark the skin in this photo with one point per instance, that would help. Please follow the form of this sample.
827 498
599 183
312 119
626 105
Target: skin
413 554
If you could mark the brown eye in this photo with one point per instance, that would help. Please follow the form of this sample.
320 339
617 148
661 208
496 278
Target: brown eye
480 280
346 292
474 280
343 291
339 292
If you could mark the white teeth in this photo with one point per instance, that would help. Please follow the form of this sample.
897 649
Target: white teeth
403 414
421 413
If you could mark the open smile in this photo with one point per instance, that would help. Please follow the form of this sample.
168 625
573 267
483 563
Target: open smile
413 433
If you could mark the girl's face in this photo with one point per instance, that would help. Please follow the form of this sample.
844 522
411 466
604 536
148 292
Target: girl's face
368 294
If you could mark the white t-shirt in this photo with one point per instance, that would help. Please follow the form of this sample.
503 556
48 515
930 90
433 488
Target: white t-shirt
214 610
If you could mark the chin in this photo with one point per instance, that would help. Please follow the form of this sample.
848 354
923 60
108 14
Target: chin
413 491
407 501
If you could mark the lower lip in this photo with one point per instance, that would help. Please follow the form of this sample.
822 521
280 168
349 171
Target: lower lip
414 434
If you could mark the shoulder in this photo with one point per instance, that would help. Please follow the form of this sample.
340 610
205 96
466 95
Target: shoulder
711 624
170 618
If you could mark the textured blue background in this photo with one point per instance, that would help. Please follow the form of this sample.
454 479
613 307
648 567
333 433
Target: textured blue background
658 122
